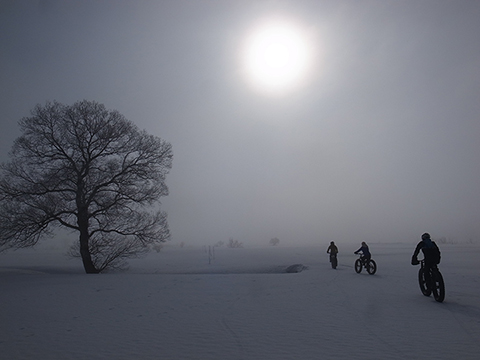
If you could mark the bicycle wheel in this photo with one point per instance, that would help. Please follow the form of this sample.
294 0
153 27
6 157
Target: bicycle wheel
333 260
438 286
371 267
423 283
358 266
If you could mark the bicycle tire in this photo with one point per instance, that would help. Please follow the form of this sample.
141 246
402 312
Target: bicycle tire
358 266
334 262
423 283
371 267
438 286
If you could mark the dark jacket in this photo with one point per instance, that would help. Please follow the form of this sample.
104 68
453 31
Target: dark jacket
431 252
365 251
332 250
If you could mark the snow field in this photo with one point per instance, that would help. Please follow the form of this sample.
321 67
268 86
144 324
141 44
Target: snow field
175 305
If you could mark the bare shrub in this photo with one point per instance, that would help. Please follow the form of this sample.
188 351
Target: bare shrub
234 243
275 241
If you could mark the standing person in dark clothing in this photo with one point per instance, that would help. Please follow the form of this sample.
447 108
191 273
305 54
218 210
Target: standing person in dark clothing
333 251
366 256
431 253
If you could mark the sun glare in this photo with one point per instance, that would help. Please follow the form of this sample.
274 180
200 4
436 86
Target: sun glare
276 56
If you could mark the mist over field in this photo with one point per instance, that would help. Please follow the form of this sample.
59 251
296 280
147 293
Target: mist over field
378 144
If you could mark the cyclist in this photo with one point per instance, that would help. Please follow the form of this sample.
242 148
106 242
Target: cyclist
431 254
366 256
333 251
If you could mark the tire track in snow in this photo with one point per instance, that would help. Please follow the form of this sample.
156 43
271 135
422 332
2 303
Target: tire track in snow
370 329
235 337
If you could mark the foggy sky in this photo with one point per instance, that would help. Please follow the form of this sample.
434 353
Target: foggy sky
381 144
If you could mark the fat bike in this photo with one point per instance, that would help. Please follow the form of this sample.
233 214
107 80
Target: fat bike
431 281
369 265
333 260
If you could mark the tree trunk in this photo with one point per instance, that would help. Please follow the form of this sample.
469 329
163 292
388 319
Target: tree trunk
82 222
86 257
84 249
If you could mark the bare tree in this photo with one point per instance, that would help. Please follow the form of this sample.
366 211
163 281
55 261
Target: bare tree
90 170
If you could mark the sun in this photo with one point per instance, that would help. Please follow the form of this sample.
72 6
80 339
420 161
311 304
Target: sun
277 56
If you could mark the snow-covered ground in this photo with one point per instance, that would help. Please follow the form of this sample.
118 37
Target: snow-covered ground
175 305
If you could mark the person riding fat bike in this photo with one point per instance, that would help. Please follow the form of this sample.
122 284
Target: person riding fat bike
366 255
431 254
332 249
